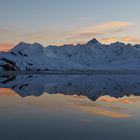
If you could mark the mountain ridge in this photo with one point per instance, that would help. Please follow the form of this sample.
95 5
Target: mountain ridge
92 55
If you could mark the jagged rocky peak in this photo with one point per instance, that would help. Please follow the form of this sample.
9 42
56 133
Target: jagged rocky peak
26 46
93 41
117 44
23 43
21 46
37 44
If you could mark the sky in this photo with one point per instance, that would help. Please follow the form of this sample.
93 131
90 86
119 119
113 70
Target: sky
57 22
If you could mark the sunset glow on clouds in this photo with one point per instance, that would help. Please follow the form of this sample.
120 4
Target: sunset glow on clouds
95 108
6 92
105 113
101 29
84 104
50 23
125 100
106 26
73 37
5 47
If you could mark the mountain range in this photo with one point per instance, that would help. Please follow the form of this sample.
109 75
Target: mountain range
92 55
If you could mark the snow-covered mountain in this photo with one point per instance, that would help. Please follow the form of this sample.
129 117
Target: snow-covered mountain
90 56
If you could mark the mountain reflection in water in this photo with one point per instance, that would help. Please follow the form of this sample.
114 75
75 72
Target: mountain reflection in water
71 107
91 86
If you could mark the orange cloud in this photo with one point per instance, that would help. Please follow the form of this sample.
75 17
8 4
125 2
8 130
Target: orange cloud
108 40
125 100
86 105
6 91
59 36
103 112
131 39
106 26
78 102
107 99
5 46
130 100
118 30
98 30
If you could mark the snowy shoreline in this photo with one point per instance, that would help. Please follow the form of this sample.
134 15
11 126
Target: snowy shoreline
74 72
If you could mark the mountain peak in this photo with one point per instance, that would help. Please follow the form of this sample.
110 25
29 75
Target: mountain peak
22 43
36 44
117 44
93 41
20 46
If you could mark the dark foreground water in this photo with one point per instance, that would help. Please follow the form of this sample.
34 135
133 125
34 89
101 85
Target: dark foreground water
66 107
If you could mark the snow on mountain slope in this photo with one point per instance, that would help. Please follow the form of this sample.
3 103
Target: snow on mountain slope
89 56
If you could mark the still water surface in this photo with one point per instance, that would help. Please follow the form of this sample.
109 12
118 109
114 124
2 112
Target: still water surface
66 107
